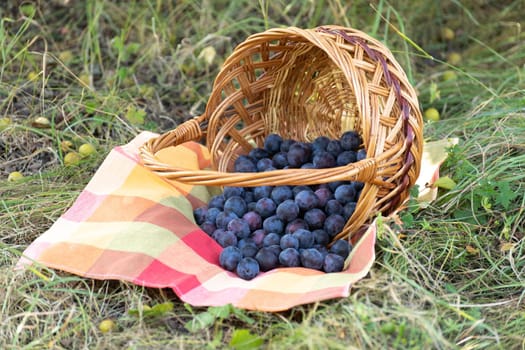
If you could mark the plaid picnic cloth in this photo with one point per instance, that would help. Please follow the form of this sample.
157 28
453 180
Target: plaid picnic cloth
130 224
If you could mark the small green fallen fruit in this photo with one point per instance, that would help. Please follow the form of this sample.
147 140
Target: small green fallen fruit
449 75
65 56
32 76
454 58
15 176
4 123
71 158
447 34
41 123
388 328
66 145
432 114
86 150
106 326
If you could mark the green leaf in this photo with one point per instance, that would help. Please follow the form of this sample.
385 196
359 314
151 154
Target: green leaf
434 92
200 321
91 106
505 195
220 312
155 311
242 339
135 116
160 309
28 10
445 182
241 315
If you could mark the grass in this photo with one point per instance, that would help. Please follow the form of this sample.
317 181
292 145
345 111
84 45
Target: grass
452 277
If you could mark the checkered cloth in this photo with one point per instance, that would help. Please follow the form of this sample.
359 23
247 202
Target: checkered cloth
129 224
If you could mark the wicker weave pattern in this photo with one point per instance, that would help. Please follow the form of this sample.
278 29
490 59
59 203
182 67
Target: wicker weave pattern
302 83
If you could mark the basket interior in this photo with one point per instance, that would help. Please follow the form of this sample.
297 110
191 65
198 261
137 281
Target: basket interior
301 94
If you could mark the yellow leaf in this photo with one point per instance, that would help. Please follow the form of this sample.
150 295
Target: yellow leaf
445 182
506 246
434 153
208 55
471 250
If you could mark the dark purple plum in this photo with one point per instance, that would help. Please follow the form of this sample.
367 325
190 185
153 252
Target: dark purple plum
272 143
306 200
333 207
273 224
240 227
299 188
333 185
324 160
315 218
265 207
250 206
297 155
334 147
346 157
224 218
245 164
267 259
280 160
265 164
296 224
358 185
305 238
235 205
321 249
345 194
271 239
253 219
341 247
248 197
350 141
333 263
287 210
200 214
249 250
248 268
208 227
290 257
275 248
243 241
262 192
285 145
212 213
289 241
225 238
334 224
321 237
258 153
361 154
231 191
311 258
348 210
217 202
324 195
320 143
281 193
258 237
230 257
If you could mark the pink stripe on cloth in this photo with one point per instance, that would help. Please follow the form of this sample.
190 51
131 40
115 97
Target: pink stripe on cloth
85 205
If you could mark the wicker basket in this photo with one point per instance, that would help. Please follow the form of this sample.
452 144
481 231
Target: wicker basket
303 83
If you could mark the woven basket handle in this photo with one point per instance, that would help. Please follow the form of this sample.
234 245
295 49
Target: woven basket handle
190 130
364 171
